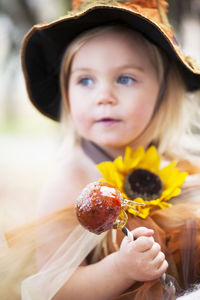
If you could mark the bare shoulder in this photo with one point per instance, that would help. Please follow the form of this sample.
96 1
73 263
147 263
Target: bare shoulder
65 183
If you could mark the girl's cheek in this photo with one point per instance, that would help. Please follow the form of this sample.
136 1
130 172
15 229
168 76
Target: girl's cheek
80 120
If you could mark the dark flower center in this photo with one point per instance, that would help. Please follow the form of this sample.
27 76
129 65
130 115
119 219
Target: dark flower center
144 184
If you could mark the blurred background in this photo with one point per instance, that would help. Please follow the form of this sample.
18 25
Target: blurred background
29 142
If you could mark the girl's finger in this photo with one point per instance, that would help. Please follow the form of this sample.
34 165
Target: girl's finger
163 267
158 260
142 231
143 243
158 272
154 250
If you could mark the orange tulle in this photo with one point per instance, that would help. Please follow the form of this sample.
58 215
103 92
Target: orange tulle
18 258
177 229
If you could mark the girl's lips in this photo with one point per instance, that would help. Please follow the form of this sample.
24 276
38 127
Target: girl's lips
108 121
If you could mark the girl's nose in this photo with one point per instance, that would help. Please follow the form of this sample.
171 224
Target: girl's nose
106 97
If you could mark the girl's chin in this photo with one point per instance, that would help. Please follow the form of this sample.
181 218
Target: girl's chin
119 144
110 140
110 143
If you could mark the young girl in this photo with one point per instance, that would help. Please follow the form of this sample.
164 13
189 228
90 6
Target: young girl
123 81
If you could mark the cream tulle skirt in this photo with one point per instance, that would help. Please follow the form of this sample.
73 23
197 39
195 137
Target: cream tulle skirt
177 229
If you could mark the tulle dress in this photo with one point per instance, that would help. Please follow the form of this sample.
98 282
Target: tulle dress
177 229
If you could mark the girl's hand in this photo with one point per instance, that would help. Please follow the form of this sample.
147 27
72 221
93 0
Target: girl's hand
141 260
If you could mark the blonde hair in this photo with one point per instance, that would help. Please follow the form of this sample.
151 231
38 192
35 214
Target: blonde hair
171 121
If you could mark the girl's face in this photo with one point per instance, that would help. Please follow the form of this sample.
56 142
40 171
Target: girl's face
113 89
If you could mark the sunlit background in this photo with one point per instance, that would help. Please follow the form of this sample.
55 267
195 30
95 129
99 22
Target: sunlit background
29 142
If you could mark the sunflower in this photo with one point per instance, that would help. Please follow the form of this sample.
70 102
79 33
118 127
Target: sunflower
139 177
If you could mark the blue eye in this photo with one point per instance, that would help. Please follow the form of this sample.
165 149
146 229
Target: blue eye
86 81
127 80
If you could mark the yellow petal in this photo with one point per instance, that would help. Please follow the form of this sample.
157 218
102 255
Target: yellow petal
132 159
110 174
151 160
119 165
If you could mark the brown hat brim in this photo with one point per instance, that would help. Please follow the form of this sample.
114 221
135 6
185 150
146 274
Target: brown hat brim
45 44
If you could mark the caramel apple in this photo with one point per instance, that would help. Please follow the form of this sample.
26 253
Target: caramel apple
98 206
